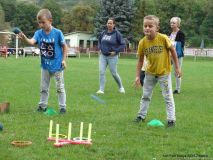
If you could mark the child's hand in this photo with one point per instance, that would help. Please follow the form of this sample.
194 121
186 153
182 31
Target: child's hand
21 35
64 65
137 82
112 53
178 73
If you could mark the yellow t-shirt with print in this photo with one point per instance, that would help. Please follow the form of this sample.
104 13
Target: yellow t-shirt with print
157 54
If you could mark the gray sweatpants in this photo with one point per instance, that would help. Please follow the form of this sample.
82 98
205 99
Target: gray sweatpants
45 84
166 86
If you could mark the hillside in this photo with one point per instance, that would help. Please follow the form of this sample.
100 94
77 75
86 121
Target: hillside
64 3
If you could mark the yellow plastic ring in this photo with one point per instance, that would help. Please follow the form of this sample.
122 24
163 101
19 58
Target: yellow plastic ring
59 135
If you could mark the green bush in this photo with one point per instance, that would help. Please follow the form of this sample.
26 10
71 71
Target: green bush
196 41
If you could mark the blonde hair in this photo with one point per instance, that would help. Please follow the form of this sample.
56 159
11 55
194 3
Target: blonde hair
44 13
154 18
176 19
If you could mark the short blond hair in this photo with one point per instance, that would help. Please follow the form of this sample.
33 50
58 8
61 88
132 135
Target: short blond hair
154 18
44 13
176 19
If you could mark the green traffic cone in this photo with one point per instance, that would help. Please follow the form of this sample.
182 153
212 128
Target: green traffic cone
50 111
155 123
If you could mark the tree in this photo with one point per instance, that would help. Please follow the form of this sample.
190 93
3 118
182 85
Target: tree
123 12
207 25
144 8
25 18
80 18
3 25
9 8
191 15
56 11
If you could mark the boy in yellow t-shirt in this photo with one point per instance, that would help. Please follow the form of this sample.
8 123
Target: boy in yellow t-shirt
156 48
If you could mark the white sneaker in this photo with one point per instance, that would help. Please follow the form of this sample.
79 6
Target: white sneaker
100 92
122 90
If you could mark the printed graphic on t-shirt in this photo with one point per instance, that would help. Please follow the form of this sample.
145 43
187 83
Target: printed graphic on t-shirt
47 50
153 50
106 37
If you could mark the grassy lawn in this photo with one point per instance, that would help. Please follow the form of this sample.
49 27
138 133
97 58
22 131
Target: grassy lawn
115 136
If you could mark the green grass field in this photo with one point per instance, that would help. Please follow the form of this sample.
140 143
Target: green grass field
115 136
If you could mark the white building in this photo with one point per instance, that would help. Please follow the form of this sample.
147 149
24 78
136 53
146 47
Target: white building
81 40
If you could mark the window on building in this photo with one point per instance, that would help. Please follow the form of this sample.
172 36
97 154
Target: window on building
95 45
88 43
81 43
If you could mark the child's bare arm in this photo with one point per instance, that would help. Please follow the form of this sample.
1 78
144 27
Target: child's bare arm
138 70
175 60
24 37
64 50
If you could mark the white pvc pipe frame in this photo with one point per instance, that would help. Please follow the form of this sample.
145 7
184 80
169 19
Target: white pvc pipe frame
69 131
16 41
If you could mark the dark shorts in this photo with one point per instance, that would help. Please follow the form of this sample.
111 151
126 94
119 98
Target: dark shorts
142 76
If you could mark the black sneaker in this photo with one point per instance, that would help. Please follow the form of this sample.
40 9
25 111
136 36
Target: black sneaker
171 124
62 110
139 119
176 92
40 109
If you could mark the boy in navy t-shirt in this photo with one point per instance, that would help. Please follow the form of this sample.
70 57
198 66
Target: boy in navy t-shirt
53 54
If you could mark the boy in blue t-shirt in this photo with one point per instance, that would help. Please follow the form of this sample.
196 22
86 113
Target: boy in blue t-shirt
53 54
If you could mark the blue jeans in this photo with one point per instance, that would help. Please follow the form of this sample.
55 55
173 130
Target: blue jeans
112 61
150 82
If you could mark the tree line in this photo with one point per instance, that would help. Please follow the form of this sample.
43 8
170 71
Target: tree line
196 17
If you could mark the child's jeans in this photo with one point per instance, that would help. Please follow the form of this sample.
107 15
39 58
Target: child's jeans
112 61
45 84
166 86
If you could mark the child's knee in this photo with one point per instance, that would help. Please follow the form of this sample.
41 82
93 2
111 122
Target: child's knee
60 90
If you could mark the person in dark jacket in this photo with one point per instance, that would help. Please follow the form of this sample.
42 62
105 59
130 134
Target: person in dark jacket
110 44
178 40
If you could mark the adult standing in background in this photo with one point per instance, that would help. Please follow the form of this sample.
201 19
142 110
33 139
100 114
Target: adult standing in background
178 39
110 44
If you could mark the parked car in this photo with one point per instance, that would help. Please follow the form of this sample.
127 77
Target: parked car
72 52
31 51
10 51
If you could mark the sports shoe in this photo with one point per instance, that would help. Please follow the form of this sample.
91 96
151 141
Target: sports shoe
122 90
40 109
100 92
62 111
139 119
176 92
171 124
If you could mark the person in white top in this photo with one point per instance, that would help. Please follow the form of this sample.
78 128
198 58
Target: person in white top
178 41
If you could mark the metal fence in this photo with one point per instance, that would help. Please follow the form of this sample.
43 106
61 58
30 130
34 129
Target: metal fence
205 52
